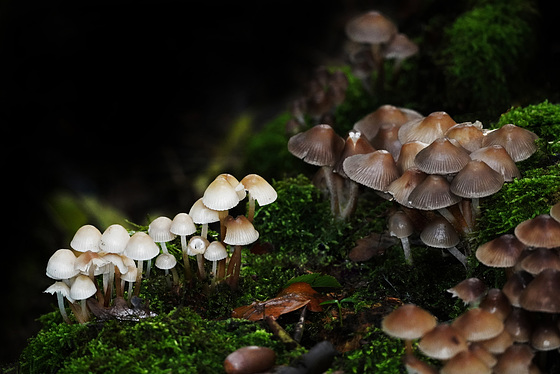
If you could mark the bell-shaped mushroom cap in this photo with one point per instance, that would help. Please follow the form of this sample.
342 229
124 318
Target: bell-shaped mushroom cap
470 290
371 27
240 231
478 324
408 321
182 224
86 238
165 261
469 135
215 251
465 362
516 359
387 139
476 180
542 294
518 142
201 214
541 231
131 274
237 185
501 252
114 239
197 245
519 324
400 225
439 233
426 129
116 260
375 170
408 153
545 335
432 193
496 302
141 246
539 259
498 159
355 144
82 288
514 285
442 342
159 230
220 195
370 124
555 211
61 265
414 365
497 344
442 156
401 187
400 47
60 287
259 189
320 145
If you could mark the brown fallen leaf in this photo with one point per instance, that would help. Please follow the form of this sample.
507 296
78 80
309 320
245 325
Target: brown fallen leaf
372 245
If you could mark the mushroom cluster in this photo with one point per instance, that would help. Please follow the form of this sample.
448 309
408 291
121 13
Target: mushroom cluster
515 329
99 265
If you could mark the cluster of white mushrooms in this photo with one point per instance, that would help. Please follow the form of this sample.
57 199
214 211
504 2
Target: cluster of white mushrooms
101 264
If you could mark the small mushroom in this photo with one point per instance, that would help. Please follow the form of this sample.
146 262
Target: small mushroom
517 141
167 262
217 254
249 360
62 291
439 233
259 190
401 226
239 232
141 247
86 238
183 226
81 289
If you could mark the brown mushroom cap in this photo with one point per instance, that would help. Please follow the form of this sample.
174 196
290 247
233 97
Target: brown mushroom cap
400 47
400 225
356 143
439 233
468 134
370 124
542 294
320 145
516 359
442 342
401 187
545 335
375 170
496 302
408 321
371 27
432 193
470 290
476 180
514 285
541 231
426 129
442 156
539 259
465 362
478 324
518 142
386 138
503 251
408 154
498 344
498 159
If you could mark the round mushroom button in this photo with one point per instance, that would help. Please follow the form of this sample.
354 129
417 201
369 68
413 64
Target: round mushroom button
250 359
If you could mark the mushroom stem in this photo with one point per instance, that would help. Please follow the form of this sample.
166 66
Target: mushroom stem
458 255
60 299
187 266
332 189
200 264
352 202
251 210
233 269
175 276
467 210
138 279
406 249
221 272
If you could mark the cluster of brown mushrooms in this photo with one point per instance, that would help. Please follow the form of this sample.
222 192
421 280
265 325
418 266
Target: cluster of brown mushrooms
99 265
436 169
515 329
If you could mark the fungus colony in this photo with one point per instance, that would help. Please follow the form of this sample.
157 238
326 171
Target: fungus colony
437 170
515 329
101 266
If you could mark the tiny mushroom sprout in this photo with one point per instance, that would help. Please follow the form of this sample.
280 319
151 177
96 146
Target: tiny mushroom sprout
62 291
439 233
196 247
183 226
217 254
239 232
86 238
401 226
82 288
259 190
408 322
141 247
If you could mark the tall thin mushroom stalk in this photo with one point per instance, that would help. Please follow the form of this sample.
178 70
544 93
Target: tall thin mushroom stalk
62 290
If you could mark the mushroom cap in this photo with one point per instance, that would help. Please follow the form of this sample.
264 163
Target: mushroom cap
542 294
469 290
86 238
498 159
400 225
408 153
237 185
400 47
159 229
496 302
401 187
116 260
432 193
518 142
259 189
182 224
514 285
88 259
476 180
320 145
442 156
375 170
240 231
442 342
370 124
141 246
545 335
465 362
220 194
426 129
130 275
501 252
555 211
197 245
61 288
165 261
516 359
478 324
82 288
61 265
371 27
439 233
539 259
469 135
541 231
215 251
408 321
387 138
114 239
355 144
497 344
201 214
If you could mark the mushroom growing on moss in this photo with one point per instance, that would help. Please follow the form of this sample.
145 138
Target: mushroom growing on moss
439 233
259 190
62 291
81 289
401 226
141 247
183 226
239 232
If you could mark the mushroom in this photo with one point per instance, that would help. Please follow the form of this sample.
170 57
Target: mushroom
498 159
542 294
439 233
555 211
183 226
202 215
517 141
81 289
62 291
196 247
375 170
239 232
442 342
426 129
478 324
540 231
501 252
469 135
222 194
167 262
61 265
401 226
86 238
408 153
259 190
496 302
442 157
141 247
216 253
401 187
470 290
114 239
462 360
399 48
385 114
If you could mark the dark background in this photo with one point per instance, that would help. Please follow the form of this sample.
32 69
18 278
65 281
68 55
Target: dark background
107 98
